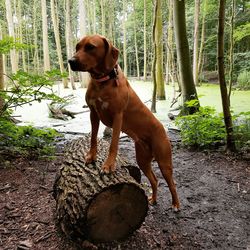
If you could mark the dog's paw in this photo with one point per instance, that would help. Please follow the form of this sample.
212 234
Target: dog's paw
176 208
152 201
90 158
108 168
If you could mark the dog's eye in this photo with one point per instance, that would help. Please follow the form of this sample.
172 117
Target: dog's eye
89 47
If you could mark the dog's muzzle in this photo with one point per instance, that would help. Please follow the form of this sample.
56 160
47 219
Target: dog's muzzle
73 64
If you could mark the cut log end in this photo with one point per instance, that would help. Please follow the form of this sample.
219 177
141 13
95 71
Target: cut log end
116 212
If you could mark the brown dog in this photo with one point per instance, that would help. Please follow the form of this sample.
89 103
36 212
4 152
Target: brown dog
112 100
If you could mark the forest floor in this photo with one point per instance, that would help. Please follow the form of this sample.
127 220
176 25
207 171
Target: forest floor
214 190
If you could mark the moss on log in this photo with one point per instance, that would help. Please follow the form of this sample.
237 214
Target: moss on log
96 206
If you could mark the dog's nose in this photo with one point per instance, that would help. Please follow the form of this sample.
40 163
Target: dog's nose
73 63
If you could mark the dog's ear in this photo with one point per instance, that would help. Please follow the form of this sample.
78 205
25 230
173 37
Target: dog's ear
111 55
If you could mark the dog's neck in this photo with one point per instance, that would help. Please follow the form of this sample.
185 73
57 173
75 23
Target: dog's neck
103 77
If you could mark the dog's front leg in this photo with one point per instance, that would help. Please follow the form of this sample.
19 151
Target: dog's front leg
109 164
95 121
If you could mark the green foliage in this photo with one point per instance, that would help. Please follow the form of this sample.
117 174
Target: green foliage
243 80
8 43
242 130
242 31
27 88
202 129
26 140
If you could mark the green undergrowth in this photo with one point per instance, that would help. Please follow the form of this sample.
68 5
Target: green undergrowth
205 129
26 141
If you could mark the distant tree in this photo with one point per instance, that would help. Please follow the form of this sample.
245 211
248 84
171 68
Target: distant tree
46 53
160 90
145 40
196 42
125 67
186 77
11 28
222 80
69 43
153 105
54 16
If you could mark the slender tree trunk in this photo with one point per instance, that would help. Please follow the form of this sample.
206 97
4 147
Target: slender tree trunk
145 40
45 37
35 41
184 63
231 50
159 58
196 42
68 35
1 81
103 17
136 47
125 67
13 53
153 105
221 71
58 42
20 32
200 59
84 76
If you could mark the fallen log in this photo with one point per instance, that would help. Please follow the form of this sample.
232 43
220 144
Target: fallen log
95 206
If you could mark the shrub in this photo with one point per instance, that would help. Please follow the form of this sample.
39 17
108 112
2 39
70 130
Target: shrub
26 140
202 129
242 130
243 80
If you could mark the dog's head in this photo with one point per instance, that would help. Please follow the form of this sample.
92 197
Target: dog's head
94 54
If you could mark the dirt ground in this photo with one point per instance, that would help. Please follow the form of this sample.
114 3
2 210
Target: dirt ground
213 188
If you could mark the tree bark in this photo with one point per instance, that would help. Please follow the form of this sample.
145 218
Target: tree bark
222 80
231 50
93 206
58 41
145 41
68 37
45 37
13 52
203 28
182 47
125 67
84 76
160 90
136 47
196 42
153 105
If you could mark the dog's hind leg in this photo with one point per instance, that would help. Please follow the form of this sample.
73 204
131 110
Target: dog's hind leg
144 158
163 156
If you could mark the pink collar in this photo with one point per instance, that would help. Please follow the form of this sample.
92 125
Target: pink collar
112 75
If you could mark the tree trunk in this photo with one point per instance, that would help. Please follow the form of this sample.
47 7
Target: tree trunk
231 50
182 47
125 68
145 41
84 76
35 37
153 105
93 206
103 23
223 86
58 42
45 37
196 42
13 53
160 90
68 37
136 47
200 59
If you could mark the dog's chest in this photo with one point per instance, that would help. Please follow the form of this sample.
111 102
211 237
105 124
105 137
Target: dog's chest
98 103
